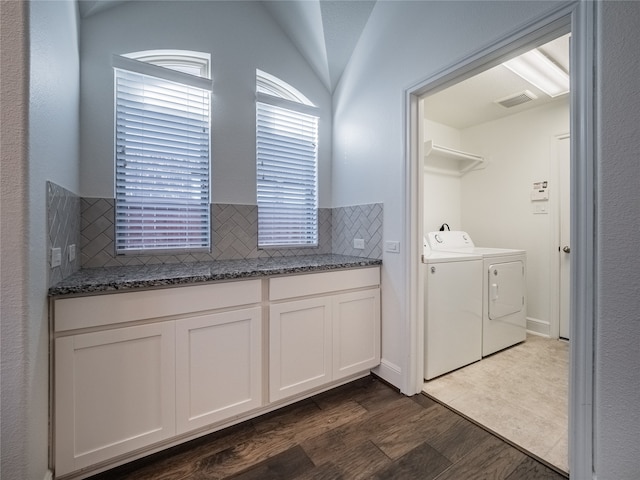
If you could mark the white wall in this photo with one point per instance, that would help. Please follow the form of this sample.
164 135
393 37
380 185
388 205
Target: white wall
53 155
617 382
53 123
240 36
496 203
402 44
442 193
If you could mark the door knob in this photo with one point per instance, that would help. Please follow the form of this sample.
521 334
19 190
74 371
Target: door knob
566 249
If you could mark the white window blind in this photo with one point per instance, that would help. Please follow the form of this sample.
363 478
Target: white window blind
286 142
162 164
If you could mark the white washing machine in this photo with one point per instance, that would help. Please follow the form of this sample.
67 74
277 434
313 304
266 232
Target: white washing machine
453 311
504 311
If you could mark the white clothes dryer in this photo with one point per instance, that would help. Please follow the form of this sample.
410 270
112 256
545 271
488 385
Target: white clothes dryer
453 311
504 310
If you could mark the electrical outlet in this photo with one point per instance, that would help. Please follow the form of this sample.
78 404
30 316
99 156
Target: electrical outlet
358 243
72 252
56 257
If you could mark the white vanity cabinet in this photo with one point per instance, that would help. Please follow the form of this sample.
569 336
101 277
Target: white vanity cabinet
322 327
137 368
141 370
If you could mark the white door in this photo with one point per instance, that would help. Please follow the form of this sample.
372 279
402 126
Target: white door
299 346
115 392
565 230
356 332
218 367
506 287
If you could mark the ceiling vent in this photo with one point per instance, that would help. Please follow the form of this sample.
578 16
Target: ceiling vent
516 99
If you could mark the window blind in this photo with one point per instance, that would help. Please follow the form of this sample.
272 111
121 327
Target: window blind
286 143
162 164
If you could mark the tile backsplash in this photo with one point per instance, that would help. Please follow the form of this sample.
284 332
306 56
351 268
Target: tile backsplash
358 221
63 230
234 235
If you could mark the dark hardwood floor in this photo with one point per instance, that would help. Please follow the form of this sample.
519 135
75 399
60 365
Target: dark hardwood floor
363 430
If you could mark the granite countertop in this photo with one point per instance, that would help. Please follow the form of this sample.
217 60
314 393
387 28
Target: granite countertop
109 279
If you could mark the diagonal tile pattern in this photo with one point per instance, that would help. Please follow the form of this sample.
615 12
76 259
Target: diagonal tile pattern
358 221
234 236
63 230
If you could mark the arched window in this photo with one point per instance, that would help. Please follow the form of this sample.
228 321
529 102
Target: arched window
287 165
162 151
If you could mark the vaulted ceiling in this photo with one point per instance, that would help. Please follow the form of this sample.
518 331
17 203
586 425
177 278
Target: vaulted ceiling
324 31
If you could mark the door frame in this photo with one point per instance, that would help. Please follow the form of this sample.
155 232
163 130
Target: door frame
579 18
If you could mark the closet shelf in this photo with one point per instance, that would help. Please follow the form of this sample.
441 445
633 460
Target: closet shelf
447 161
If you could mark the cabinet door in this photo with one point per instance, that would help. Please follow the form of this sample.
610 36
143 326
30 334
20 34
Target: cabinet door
356 332
218 367
114 393
300 346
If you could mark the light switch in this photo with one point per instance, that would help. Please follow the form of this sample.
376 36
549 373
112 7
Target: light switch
540 208
56 257
358 243
72 252
392 246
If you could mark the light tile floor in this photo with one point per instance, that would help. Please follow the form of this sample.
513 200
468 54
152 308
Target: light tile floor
519 393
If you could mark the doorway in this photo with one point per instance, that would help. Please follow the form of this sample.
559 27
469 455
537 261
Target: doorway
493 181
579 18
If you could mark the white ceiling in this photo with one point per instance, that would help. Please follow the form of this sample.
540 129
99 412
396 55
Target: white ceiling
472 101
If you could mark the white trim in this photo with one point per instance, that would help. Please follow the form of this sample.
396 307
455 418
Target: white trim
580 18
48 475
288 104
554 240
389 372
538 327
124 63
199 60
583 238
413 331
279 88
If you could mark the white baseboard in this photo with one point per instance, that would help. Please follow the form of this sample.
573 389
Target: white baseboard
48 475
538 327
389 372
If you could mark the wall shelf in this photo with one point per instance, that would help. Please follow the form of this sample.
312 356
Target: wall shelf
447 161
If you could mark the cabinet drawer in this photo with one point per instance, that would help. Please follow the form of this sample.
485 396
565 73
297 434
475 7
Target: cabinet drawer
99 310
321 283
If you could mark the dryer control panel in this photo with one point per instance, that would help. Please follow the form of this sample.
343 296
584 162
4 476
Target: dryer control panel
450 239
